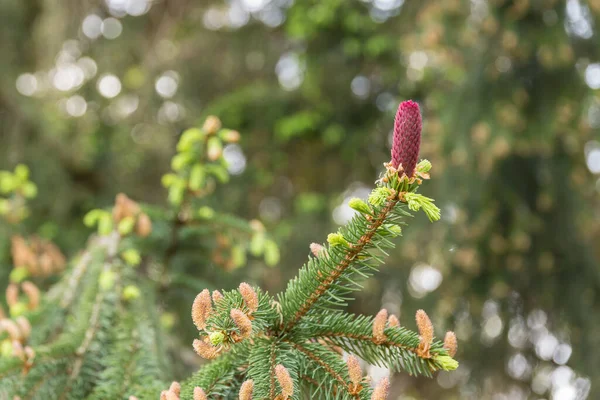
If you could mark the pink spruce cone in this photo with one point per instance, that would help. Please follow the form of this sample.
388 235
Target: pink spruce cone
407 137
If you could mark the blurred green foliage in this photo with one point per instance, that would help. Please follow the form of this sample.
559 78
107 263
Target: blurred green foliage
511 103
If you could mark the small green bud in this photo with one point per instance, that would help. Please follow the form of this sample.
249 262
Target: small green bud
188 138
105 224
126 225
206 212
18 309
417 201
22 172
336 239
91 218
447 363
131 292
359 205
238 255
257 244
167 320
229 135
106 280
176 192
131 257
7 183
4 206
424 166
214 148
394 229
6 348
29 190
271 253
18 274
168 179
179 161
216 338
379 195
197 176
220 173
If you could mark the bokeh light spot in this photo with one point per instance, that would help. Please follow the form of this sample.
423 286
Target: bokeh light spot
166 85
236 161
111 28
592 76
92 26
76 106
109 86
27 84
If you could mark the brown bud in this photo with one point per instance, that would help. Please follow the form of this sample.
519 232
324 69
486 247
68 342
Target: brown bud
46 264
168 395
216 296
118 212
9 326
379 326
199 394
249 295
285 381
205 350
242 321
246 390
232 136
18 350
256 225
201 309
24 326
31 261
12 294
33 294
132 208
175 388
393 321
28 358
29 354
316 249
124 207
57 256
211 125
381 390
450 343
354 370
19 251
143 226
426 333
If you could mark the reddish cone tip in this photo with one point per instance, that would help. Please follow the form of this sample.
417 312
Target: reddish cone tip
407 137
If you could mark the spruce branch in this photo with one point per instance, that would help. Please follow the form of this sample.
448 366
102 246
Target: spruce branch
76 327
293 347
396 347
320 358
215 379
302 301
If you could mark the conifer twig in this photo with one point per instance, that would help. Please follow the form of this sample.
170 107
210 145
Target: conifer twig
350 257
